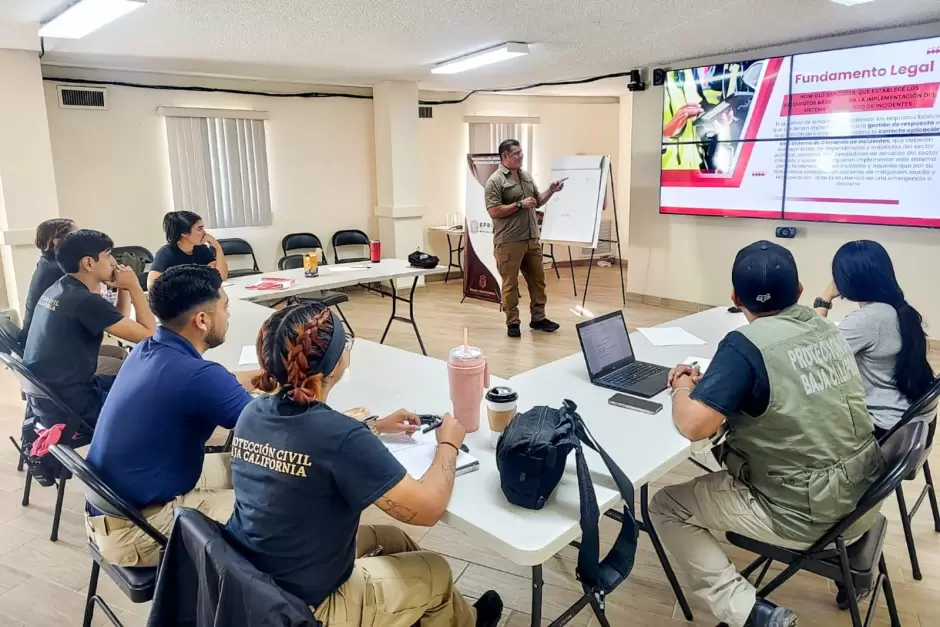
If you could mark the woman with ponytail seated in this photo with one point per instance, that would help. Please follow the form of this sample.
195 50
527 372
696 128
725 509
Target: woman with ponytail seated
303 473
885 332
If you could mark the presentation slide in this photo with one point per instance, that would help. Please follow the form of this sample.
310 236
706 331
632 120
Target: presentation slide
845 136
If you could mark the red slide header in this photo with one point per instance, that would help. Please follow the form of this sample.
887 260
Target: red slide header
912 71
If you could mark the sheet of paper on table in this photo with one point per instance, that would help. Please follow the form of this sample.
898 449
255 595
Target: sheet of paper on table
416 453
701 362
248 357
670 336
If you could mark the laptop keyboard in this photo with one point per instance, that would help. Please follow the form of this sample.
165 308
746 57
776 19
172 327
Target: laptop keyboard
637 371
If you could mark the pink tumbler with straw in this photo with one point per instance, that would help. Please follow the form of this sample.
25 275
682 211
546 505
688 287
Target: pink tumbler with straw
469 376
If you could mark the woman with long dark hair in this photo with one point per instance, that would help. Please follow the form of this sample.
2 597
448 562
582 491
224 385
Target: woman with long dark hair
48 236
187 242
303 473
886 333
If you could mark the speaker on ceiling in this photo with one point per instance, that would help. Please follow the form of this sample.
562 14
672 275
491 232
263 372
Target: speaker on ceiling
659 77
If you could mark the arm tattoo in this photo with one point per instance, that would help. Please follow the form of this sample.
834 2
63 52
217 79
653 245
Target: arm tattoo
449 466
399 512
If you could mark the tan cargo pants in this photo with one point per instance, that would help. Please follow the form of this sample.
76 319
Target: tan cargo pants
525 256
683 515
123 544
401 586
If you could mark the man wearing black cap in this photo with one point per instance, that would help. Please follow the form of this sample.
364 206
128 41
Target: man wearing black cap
799 451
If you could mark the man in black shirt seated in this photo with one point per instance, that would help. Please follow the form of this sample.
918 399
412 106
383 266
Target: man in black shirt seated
49 235
71 318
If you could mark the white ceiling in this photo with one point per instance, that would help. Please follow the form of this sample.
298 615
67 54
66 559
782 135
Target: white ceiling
361 42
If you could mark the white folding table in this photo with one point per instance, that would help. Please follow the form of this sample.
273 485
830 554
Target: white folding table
341 275
646 447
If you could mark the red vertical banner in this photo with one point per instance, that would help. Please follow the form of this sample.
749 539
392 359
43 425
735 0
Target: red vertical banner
481 278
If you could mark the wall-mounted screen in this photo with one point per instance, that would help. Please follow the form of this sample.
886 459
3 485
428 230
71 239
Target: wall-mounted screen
841 136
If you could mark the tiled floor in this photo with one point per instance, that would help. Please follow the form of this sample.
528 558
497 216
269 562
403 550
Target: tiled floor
42 584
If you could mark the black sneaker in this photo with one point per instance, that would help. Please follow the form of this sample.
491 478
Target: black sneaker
489 609
842 596
766 614
544 325
512 330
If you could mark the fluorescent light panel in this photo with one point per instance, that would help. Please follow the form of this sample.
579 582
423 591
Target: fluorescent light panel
852 3
502 52
86 16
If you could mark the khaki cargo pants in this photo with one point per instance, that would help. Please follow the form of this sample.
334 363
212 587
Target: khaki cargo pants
525 256
683 515
123 544
395 584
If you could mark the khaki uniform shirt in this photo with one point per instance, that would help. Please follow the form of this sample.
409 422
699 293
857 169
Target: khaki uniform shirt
503 189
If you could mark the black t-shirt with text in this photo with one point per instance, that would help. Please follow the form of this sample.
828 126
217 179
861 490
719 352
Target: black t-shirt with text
302 476
170 256
46 273
63 344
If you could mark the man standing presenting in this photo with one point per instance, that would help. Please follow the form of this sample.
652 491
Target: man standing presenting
511 200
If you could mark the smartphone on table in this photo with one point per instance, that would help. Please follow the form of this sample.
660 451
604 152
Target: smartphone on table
632 402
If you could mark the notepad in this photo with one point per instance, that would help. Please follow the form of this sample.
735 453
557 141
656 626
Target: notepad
416 453
249 356
670 336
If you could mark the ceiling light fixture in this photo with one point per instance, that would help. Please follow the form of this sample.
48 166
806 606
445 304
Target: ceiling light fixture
851 3
503 52
86 16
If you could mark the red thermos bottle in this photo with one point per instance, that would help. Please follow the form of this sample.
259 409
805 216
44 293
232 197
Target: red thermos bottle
375 251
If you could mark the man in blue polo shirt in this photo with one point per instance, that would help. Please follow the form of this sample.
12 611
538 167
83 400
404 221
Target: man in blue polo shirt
167 400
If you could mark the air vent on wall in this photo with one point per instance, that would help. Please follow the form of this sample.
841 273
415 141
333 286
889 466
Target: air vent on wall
71 97
425 113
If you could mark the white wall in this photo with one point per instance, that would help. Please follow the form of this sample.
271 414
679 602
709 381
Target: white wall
568 126
689 258
112 168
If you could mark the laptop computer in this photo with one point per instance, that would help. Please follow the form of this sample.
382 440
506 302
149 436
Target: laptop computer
611 364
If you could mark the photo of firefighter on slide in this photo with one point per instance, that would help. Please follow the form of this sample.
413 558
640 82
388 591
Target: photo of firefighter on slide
704 114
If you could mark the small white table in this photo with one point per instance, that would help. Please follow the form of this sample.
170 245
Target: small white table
450 231
335 276
658 447
477 506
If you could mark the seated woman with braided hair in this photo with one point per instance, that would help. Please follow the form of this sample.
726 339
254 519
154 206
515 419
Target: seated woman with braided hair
303 473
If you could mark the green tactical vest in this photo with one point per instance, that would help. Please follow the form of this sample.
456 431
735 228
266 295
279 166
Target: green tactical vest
810 457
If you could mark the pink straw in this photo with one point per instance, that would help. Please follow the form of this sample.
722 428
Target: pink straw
466 342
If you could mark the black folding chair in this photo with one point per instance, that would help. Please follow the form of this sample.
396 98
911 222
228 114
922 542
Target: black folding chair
853 566
76 434
328 298
347 238
136 583
300 241
236 247
10 334
141 253
923 407
10 344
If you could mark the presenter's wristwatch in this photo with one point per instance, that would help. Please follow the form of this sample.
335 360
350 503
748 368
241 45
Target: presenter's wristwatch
518 204
819 303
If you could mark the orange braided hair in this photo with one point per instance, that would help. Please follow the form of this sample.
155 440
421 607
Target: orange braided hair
290 344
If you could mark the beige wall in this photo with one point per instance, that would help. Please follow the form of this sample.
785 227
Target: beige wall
568 126
689 258
112 168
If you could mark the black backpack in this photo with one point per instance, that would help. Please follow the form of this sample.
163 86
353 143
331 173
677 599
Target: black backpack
531 456
422 260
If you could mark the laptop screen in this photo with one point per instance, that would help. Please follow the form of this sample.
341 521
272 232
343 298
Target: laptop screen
605 343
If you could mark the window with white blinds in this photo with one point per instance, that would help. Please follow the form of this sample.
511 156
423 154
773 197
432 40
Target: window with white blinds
485 138
219 167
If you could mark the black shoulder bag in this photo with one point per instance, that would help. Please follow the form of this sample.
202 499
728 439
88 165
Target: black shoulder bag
531 458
